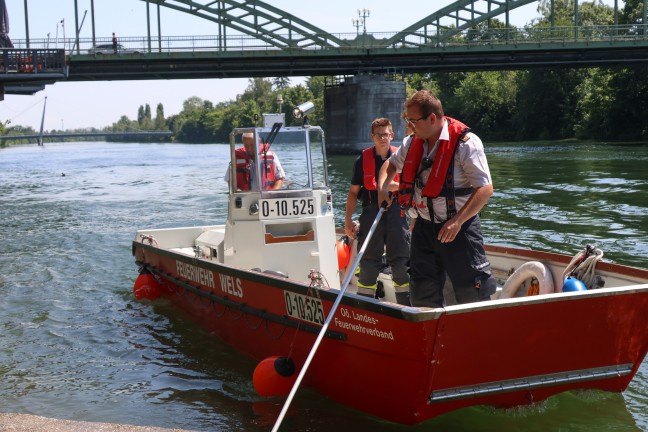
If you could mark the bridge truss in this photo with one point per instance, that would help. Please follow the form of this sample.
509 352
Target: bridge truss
256 39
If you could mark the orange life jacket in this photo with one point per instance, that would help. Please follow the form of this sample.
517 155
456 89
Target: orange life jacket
369 167
243 167
440 175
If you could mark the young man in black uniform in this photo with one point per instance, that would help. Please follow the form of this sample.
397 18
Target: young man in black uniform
392 233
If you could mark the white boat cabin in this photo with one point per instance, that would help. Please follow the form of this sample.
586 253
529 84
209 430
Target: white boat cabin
285 228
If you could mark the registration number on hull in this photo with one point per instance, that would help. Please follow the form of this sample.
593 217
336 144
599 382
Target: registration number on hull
304 308
286 207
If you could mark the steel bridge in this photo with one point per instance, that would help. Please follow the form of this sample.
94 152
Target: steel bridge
255 39
63 135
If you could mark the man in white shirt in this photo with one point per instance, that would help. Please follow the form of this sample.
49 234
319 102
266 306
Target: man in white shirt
446 181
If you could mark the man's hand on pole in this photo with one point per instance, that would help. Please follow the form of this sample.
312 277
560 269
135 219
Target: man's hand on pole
385 177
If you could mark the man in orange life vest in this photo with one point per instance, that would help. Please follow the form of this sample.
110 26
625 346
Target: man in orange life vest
272 173
445 179
392 233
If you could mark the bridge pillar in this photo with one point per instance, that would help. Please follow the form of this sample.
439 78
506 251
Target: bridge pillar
351 106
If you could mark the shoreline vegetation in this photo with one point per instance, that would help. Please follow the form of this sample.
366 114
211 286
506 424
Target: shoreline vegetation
552 104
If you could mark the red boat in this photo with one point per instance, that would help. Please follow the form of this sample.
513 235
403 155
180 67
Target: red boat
266 281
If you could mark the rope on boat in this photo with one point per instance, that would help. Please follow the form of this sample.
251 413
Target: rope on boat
146 238
583 266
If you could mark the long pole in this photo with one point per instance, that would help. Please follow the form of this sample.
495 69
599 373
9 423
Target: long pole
76 27
26 26
40 137
320 336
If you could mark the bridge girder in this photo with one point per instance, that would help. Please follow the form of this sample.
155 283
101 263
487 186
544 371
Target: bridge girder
258 19
283 30
464 13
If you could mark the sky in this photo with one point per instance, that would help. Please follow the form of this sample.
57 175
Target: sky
98 104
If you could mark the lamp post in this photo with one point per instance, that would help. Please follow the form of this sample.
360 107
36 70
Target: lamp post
357 22
363 14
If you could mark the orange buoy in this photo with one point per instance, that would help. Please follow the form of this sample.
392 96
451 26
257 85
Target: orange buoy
343 252
146 287
274 376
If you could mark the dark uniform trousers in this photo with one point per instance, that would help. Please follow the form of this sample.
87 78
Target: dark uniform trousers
392 234
463 259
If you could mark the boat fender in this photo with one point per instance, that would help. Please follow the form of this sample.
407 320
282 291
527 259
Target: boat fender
572 284
147 287
528 270
343 252
274 376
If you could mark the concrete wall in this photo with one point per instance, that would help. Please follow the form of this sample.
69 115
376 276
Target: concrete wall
352 106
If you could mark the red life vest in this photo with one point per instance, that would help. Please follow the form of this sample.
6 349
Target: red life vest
369 167
442 160
243 166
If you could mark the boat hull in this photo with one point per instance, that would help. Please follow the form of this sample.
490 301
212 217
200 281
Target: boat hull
408 364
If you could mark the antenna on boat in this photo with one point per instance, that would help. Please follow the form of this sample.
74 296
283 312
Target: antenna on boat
329 318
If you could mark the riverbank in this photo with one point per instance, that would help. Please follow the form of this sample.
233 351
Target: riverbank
10 422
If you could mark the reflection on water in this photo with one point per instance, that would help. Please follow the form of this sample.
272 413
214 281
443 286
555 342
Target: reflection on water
76 345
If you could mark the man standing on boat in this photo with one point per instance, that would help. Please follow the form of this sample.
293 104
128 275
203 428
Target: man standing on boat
446 180
392 234
271 171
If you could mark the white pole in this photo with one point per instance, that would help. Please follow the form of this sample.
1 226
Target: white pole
345 285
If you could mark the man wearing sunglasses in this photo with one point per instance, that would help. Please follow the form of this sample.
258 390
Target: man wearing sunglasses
392 233
445 180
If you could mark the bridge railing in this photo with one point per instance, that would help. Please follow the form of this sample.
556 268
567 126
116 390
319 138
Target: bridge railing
425 38
16 62
526 35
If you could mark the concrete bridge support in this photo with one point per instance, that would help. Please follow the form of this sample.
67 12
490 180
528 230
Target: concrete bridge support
351 106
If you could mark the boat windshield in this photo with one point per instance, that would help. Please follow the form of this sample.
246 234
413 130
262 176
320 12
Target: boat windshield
290 158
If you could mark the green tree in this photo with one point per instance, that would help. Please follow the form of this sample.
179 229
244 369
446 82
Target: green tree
259 90
147 112
547 104
297 95
159 122
594 104
316 85
629 105
486 102
416 82
190 126
140 115
281 83
589 13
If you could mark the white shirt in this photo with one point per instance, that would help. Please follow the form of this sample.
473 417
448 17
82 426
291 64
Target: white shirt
470 170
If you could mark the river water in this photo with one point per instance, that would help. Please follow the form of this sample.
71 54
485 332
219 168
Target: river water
74 344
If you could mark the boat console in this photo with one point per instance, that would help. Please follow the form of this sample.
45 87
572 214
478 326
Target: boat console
284 226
